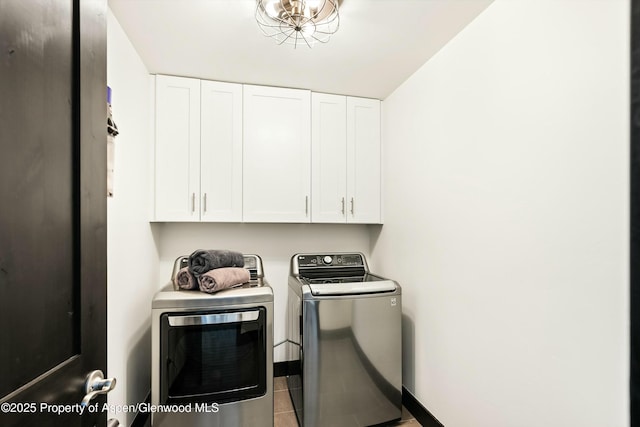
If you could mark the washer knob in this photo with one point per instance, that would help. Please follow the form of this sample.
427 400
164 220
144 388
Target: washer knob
327 259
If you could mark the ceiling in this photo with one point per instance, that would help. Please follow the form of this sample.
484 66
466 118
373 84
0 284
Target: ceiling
380 43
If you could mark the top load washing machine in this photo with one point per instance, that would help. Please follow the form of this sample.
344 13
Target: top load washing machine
345 324
212 354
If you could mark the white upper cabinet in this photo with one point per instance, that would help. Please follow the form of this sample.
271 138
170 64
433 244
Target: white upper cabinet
198 150
328 158
221 152
346 159
177 149
276 154
228 152
363 161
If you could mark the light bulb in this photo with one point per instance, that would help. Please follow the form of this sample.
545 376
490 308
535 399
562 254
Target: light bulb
314 4
308 30
270 8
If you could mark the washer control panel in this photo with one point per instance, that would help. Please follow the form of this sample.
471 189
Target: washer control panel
330 260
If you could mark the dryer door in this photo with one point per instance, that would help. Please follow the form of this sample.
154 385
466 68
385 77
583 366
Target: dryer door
213 356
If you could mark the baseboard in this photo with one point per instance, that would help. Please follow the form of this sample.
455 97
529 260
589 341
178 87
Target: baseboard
420 413
142 418
282 369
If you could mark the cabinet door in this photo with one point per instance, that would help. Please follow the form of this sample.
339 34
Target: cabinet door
276 154
363 160
328 158
221 152
177 149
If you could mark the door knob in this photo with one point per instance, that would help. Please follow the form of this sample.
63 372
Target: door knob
96 384
113 422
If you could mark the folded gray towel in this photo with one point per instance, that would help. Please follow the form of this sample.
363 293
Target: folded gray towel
203 260
222 278
185 280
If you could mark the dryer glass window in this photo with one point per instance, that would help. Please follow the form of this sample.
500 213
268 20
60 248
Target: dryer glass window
213 357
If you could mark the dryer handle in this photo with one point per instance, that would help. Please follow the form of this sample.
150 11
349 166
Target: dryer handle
214 319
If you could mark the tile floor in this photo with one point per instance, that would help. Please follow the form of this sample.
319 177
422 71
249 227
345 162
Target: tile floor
284 416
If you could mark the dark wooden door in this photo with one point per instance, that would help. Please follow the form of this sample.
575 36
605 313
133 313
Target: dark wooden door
52 208
634 291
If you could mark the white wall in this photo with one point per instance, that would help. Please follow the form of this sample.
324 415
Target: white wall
132 256
275 243
507 182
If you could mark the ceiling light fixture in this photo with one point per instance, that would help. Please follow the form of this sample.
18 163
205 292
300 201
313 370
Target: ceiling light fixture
298 21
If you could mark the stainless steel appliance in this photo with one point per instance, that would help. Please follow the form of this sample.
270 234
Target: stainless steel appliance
212 354
346 323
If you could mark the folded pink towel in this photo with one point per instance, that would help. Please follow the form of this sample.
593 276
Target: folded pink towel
184 280
222 278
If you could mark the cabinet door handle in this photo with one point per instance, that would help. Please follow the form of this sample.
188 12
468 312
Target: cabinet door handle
352 206
193 202
343 206
306 205
204 202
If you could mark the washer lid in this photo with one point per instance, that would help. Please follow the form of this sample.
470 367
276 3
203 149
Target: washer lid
352 288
